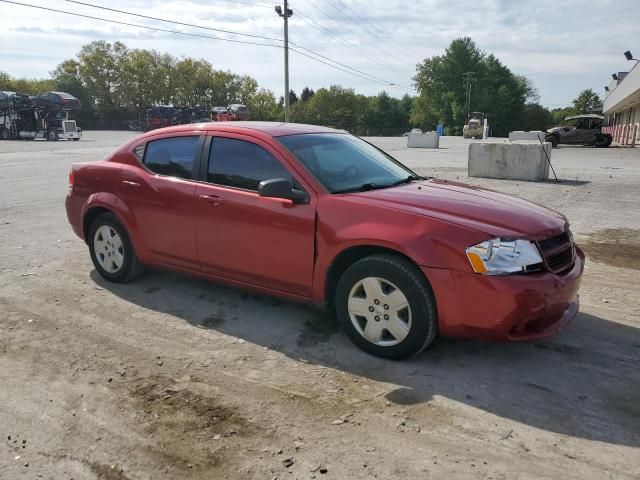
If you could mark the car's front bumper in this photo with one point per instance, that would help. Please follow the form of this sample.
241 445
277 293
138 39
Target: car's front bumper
69 136
514 307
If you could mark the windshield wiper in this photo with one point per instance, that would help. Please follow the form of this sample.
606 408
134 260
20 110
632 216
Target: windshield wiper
409 179
373 186
361 188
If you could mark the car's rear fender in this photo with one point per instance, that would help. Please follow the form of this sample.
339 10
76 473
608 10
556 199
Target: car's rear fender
100 202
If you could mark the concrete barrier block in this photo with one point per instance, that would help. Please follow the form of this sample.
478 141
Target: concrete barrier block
522 160
423 140
535 135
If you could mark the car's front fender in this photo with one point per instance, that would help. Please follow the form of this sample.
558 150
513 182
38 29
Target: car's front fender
426 241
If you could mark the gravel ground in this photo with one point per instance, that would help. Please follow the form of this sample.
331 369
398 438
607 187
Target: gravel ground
175 377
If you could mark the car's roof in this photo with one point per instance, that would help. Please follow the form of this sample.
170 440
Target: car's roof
63 95
586 115
274 129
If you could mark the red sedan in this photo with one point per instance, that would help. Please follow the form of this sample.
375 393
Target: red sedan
315 214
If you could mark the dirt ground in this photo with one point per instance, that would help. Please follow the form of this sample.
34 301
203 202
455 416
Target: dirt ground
178 378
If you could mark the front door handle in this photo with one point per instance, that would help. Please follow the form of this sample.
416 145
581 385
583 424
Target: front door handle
129 184
214 199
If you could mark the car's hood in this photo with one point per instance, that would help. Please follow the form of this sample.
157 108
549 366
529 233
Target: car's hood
555 129
494 213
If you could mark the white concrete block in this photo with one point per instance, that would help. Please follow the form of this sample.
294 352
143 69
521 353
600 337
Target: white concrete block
423 140
522 160
535 135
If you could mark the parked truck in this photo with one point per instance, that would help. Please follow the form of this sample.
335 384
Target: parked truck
474 127
45 116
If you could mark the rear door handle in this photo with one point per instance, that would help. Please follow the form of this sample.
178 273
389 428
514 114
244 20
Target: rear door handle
216 200
129 184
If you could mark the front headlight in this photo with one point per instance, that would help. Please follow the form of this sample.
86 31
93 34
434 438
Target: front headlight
502 257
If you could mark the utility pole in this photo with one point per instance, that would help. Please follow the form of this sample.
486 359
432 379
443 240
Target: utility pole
285 13
469 77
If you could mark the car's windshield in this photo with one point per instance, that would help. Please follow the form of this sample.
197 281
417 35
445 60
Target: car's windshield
344 163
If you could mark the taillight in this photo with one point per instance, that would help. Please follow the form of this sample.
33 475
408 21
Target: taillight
72 178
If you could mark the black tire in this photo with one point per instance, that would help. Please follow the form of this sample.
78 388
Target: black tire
5 134
76 139
52 135
603 141
412 283
131 268
553 140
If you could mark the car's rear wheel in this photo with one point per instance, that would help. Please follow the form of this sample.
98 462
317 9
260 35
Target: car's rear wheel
603 141
111 250
386 307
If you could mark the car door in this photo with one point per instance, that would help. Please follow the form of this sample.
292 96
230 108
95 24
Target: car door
160 193
592 129
570 134
245 237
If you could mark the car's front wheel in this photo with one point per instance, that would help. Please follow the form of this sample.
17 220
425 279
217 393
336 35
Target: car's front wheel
386 307
111 250
553 140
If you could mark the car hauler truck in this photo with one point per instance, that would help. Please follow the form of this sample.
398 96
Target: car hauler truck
45 116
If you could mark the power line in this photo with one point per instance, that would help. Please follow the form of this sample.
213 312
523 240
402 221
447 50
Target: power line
372 77
359 51
171 21
356 14
380 34
91 17
386 82
252 4
140 26
393 67
355 74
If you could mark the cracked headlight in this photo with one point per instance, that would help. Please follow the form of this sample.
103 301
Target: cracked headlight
502 257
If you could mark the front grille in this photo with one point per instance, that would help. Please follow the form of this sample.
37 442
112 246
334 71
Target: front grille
69 126
558 252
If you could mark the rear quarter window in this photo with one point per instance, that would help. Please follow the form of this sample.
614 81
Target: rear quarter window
138 151
173 157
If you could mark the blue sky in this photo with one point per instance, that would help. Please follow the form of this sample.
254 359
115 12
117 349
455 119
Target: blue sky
563 47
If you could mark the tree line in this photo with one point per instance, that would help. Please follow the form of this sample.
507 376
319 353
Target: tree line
115 84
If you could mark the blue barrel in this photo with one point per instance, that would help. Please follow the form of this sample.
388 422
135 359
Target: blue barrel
440 129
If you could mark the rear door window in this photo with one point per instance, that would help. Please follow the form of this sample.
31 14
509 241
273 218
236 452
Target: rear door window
173 157
242 164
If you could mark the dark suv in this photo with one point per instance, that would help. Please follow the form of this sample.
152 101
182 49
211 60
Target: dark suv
580 130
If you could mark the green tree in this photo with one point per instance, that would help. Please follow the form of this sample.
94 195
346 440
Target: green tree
100 67
559 114
116 84
32 86
536 117
67 79
263 106
587 101
442 85
5 80
306 94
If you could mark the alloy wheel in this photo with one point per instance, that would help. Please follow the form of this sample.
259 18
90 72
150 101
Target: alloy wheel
379 311
108 248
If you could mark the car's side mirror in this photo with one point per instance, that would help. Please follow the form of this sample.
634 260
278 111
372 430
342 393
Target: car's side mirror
281 188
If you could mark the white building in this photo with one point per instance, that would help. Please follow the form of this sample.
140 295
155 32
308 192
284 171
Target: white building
621 107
